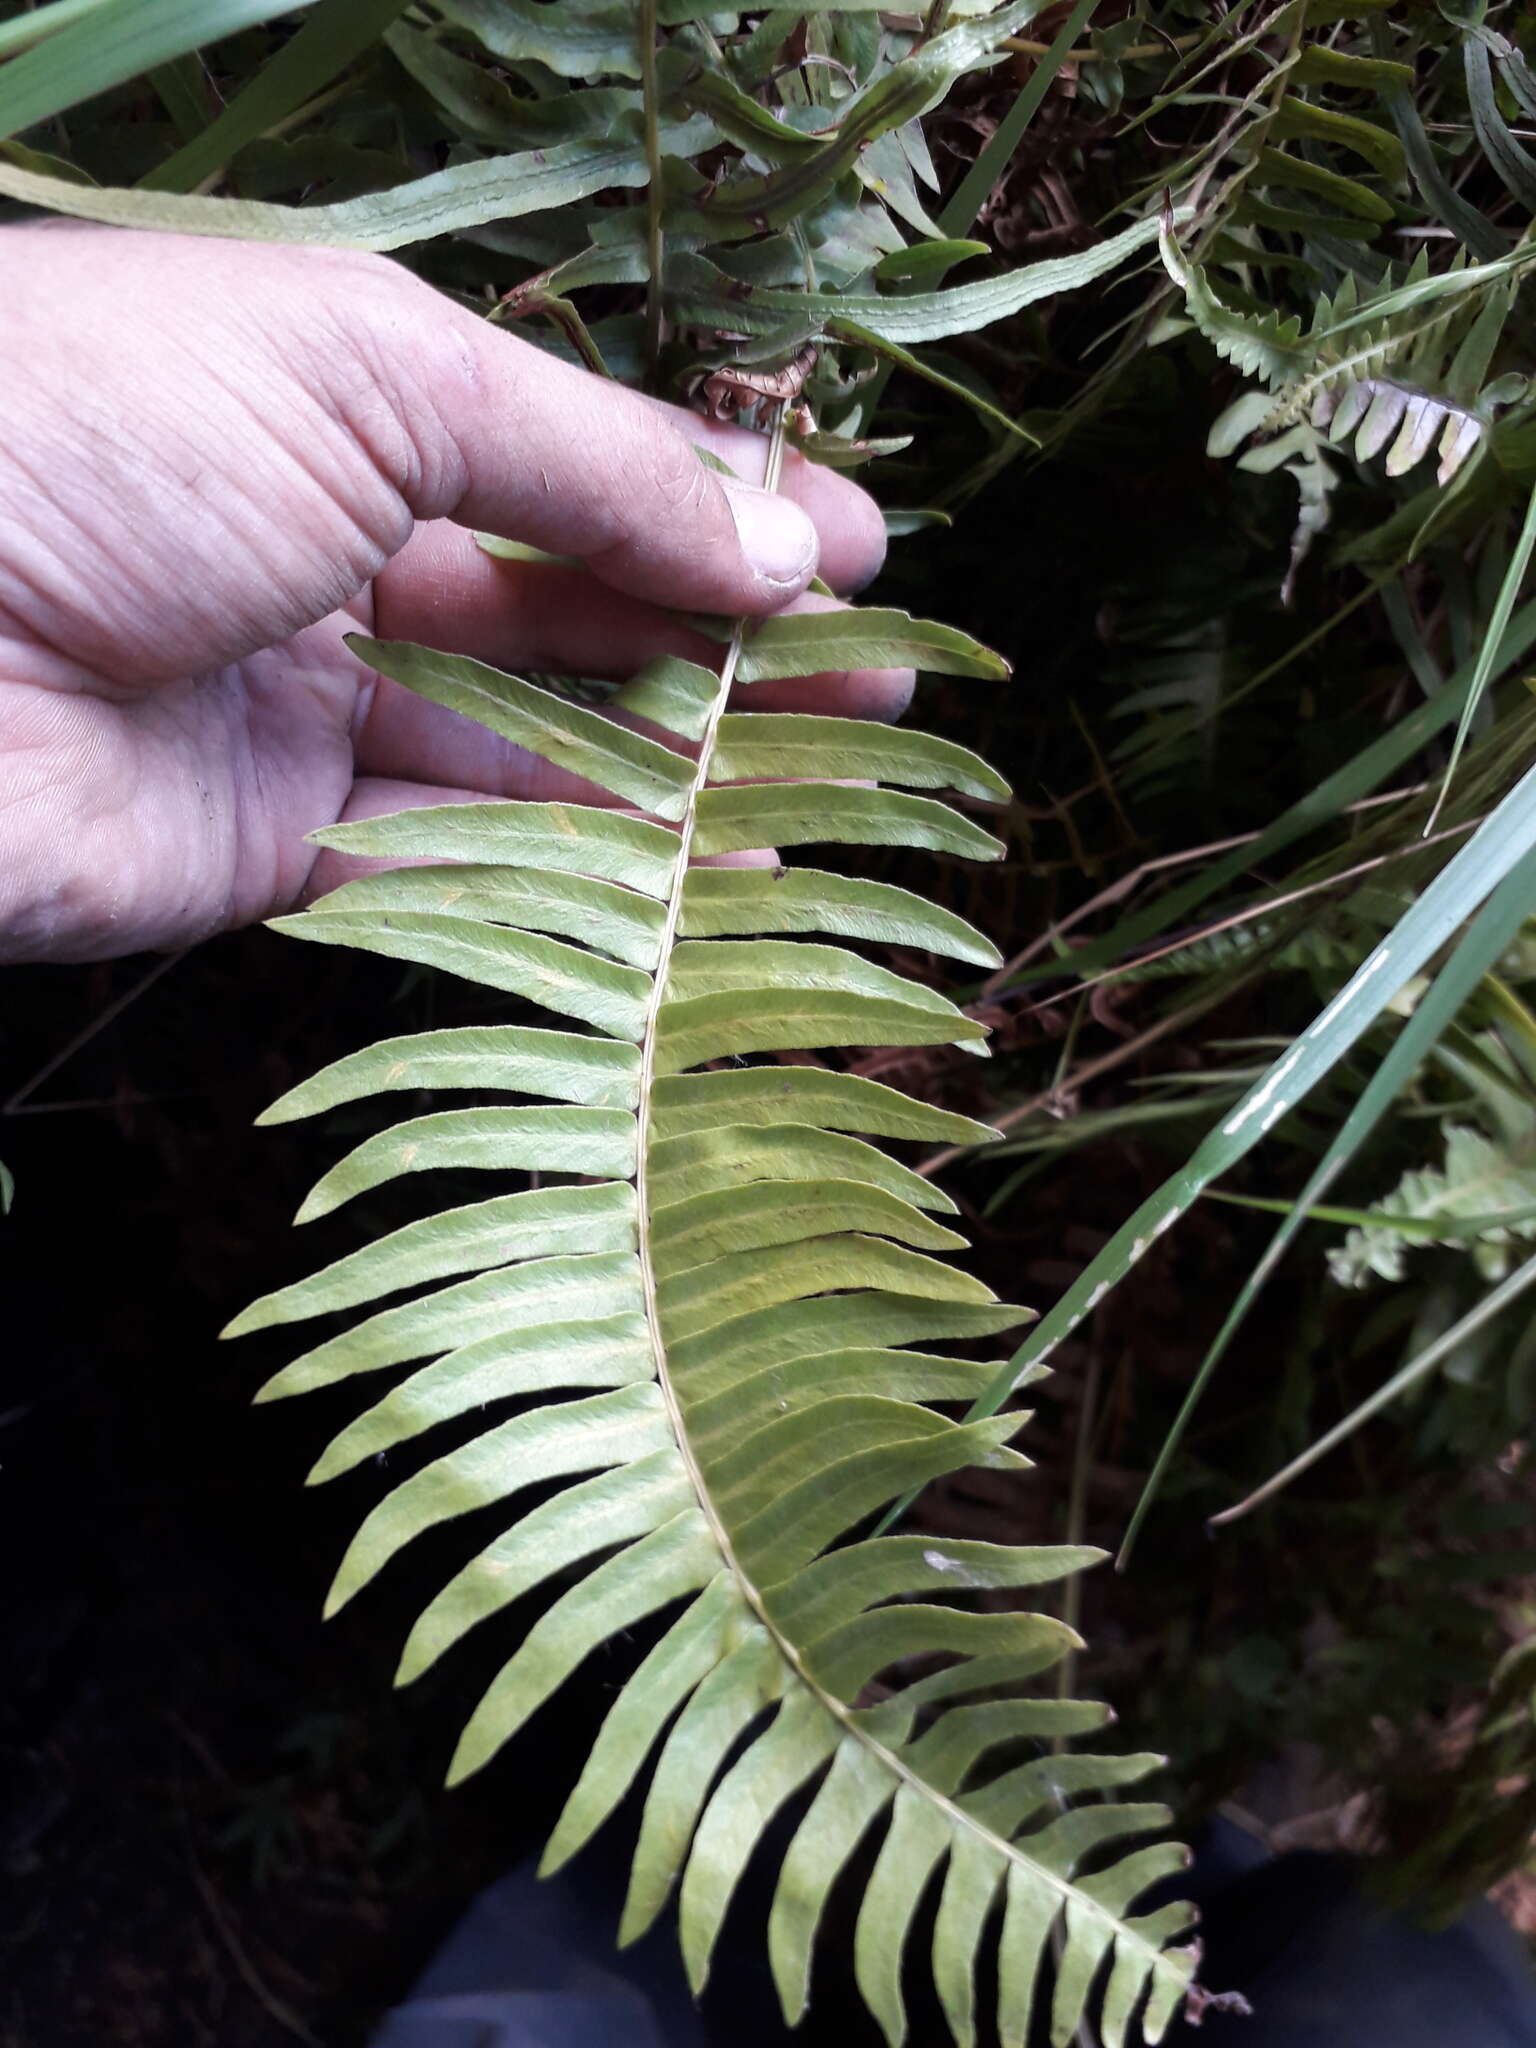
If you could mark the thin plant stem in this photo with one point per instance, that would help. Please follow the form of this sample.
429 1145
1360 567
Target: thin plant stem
1492 1304
655 238
1093 1070
1087 54
98 1023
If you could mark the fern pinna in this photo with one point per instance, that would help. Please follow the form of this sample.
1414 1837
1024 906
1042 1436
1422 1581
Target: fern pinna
720 1305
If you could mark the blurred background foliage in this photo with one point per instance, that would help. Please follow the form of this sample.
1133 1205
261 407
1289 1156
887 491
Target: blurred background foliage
1259 558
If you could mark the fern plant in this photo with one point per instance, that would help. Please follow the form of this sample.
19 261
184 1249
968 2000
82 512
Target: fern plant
719 1300
721 1305
718 1306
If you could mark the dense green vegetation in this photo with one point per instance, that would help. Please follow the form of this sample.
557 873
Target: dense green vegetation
1190 358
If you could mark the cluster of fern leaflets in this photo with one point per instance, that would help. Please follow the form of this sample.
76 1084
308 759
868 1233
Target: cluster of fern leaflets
719 1301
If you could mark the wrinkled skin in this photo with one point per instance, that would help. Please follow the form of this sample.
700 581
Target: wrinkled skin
218 460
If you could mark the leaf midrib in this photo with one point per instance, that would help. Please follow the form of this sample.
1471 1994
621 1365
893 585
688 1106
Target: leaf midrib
955 1815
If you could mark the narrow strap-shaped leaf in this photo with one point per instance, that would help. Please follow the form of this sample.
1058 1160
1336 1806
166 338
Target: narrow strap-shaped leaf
74 59
1127 1981
782 745
561 1437
763 1213
678 1558
588 42
1029 1912
1169 1985
690 1649
750 1679
595 1514
1089 1935
804 1095
489 1305
918 1838
809 1516
559 1064
975 1870
570 736
700 293
600 914
1115 1888
757 1339
466 195
1063 1843
575 838
677 695
847 1658
893 97
729 1157
802 1736
992 1667
702 967
1515 166
485 1306
742 1408
720 902
843 1584
815 643
598 1351
548 971
563 1140
747 1020
859 1786
535 1224
1046 1782
806 813
725 1288
754 1471
947 1752
334 36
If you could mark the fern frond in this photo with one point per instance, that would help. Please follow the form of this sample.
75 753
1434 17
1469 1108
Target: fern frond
1265 346
717 1303
1484 1194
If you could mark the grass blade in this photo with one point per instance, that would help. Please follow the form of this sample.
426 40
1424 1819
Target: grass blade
464 195
1492 1304
1499 853
961 209
337 32
1482 674
1479 951
1328 800
107 45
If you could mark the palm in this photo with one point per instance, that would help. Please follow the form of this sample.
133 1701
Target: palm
218 461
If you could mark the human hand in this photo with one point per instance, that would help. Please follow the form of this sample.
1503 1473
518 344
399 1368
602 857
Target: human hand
218 460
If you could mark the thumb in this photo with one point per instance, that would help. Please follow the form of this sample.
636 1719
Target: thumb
513 441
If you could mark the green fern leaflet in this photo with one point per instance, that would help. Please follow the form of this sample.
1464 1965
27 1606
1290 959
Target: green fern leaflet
720 1300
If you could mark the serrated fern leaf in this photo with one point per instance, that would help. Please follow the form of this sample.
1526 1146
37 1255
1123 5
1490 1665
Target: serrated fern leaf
1265 346
1484 1194
717 1302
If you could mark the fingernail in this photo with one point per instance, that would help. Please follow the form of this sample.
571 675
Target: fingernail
776 536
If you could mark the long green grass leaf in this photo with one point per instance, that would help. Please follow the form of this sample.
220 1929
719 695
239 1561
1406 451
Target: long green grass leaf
1488 652
464 196
337 32
104 45
961 209
1492 1304
1456 893
1486 939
